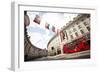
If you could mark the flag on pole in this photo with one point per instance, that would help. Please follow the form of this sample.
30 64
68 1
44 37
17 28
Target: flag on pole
37 19
62 35
58 31
47 25
53 28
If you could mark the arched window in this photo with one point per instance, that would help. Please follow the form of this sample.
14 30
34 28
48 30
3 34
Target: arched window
52 48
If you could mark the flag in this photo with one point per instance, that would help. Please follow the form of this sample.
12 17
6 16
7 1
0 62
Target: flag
47 25
53 28
37 19
62 35
58 31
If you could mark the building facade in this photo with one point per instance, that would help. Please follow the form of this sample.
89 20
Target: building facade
31 52
73 34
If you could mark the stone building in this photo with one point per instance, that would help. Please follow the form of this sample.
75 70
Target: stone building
31 52
74 30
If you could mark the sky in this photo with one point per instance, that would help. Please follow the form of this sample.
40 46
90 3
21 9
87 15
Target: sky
39 35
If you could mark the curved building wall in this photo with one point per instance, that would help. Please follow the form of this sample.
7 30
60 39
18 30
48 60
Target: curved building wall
32 52
75 29
53 45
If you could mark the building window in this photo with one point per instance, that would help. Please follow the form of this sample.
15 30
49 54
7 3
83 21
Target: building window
62 35
55 53
52 48
74 29
71 36
66 35
77 23
58 51
82 31
82 19
88 36
70 32
88 15
88 28
76 34
85 23
79 27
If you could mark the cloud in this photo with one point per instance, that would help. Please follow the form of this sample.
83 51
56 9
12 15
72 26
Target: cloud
39 36
36 29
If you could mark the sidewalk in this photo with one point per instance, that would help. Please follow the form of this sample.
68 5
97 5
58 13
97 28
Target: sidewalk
78 55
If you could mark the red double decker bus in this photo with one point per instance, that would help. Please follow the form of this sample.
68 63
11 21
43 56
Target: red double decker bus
77 45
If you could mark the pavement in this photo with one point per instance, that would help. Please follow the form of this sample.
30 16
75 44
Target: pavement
78 55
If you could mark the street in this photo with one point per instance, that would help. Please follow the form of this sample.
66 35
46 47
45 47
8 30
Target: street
78 55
